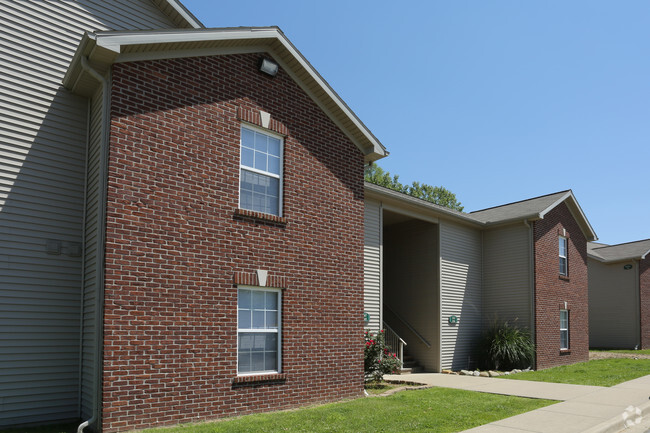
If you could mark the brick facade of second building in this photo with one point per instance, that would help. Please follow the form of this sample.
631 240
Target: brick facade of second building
555 292
178 246
644 293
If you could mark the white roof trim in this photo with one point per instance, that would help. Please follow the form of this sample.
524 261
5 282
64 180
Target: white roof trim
554 205
186 14
115 40
569 194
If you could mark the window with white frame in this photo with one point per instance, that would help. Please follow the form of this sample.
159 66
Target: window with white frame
260 185
564 329
564 270
258 330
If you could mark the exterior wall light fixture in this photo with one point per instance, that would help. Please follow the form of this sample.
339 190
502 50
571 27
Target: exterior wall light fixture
269 67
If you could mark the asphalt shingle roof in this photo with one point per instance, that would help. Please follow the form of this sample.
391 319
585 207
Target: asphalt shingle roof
518 210
610 253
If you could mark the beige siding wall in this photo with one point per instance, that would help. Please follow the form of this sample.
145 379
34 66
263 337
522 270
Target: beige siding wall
372 260
411 288
460 291
507 275
613 305
42 163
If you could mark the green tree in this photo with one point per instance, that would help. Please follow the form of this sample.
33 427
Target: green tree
434 194
375 174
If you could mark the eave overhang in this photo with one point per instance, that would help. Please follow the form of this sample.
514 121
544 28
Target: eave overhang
415 207
102 49
616 260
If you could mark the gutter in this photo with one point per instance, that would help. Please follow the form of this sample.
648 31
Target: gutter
101 228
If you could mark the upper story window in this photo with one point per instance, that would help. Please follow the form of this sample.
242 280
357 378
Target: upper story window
260 186
564 247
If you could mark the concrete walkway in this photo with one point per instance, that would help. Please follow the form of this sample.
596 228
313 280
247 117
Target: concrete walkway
592 409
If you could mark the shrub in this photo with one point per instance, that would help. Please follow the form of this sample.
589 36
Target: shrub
378 360
505 347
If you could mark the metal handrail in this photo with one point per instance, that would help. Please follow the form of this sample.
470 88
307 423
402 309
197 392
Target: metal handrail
392 340
408 325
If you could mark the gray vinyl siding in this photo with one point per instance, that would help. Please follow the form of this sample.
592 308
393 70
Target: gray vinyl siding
613 305
411 290
460 291
42 164
506 275
372 264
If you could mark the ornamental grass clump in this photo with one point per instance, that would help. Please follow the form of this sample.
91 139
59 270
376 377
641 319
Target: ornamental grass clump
378 359
506 347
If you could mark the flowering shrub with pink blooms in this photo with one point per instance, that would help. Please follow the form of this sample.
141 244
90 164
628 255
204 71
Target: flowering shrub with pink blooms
378 360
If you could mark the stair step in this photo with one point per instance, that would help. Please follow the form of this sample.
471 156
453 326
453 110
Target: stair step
409 370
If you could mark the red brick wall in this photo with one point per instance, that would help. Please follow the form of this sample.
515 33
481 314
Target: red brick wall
644 286
176 245
552 290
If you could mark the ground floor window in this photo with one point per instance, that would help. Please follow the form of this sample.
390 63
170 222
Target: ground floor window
564 329
258 331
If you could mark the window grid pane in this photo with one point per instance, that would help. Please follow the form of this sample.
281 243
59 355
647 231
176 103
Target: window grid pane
259 193
260 151
258 352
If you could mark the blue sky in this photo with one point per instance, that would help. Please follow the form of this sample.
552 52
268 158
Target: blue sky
497 101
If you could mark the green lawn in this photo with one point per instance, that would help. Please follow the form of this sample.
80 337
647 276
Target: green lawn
599 372
426 410
630 351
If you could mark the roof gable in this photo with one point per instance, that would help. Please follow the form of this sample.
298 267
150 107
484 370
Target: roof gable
534 209
102 49
530 208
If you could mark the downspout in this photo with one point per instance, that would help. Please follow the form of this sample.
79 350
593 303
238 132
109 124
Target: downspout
531 276
381 265
439 312
101 229
83 255
637 283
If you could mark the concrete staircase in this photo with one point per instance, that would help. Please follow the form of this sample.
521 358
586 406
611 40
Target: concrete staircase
411 365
